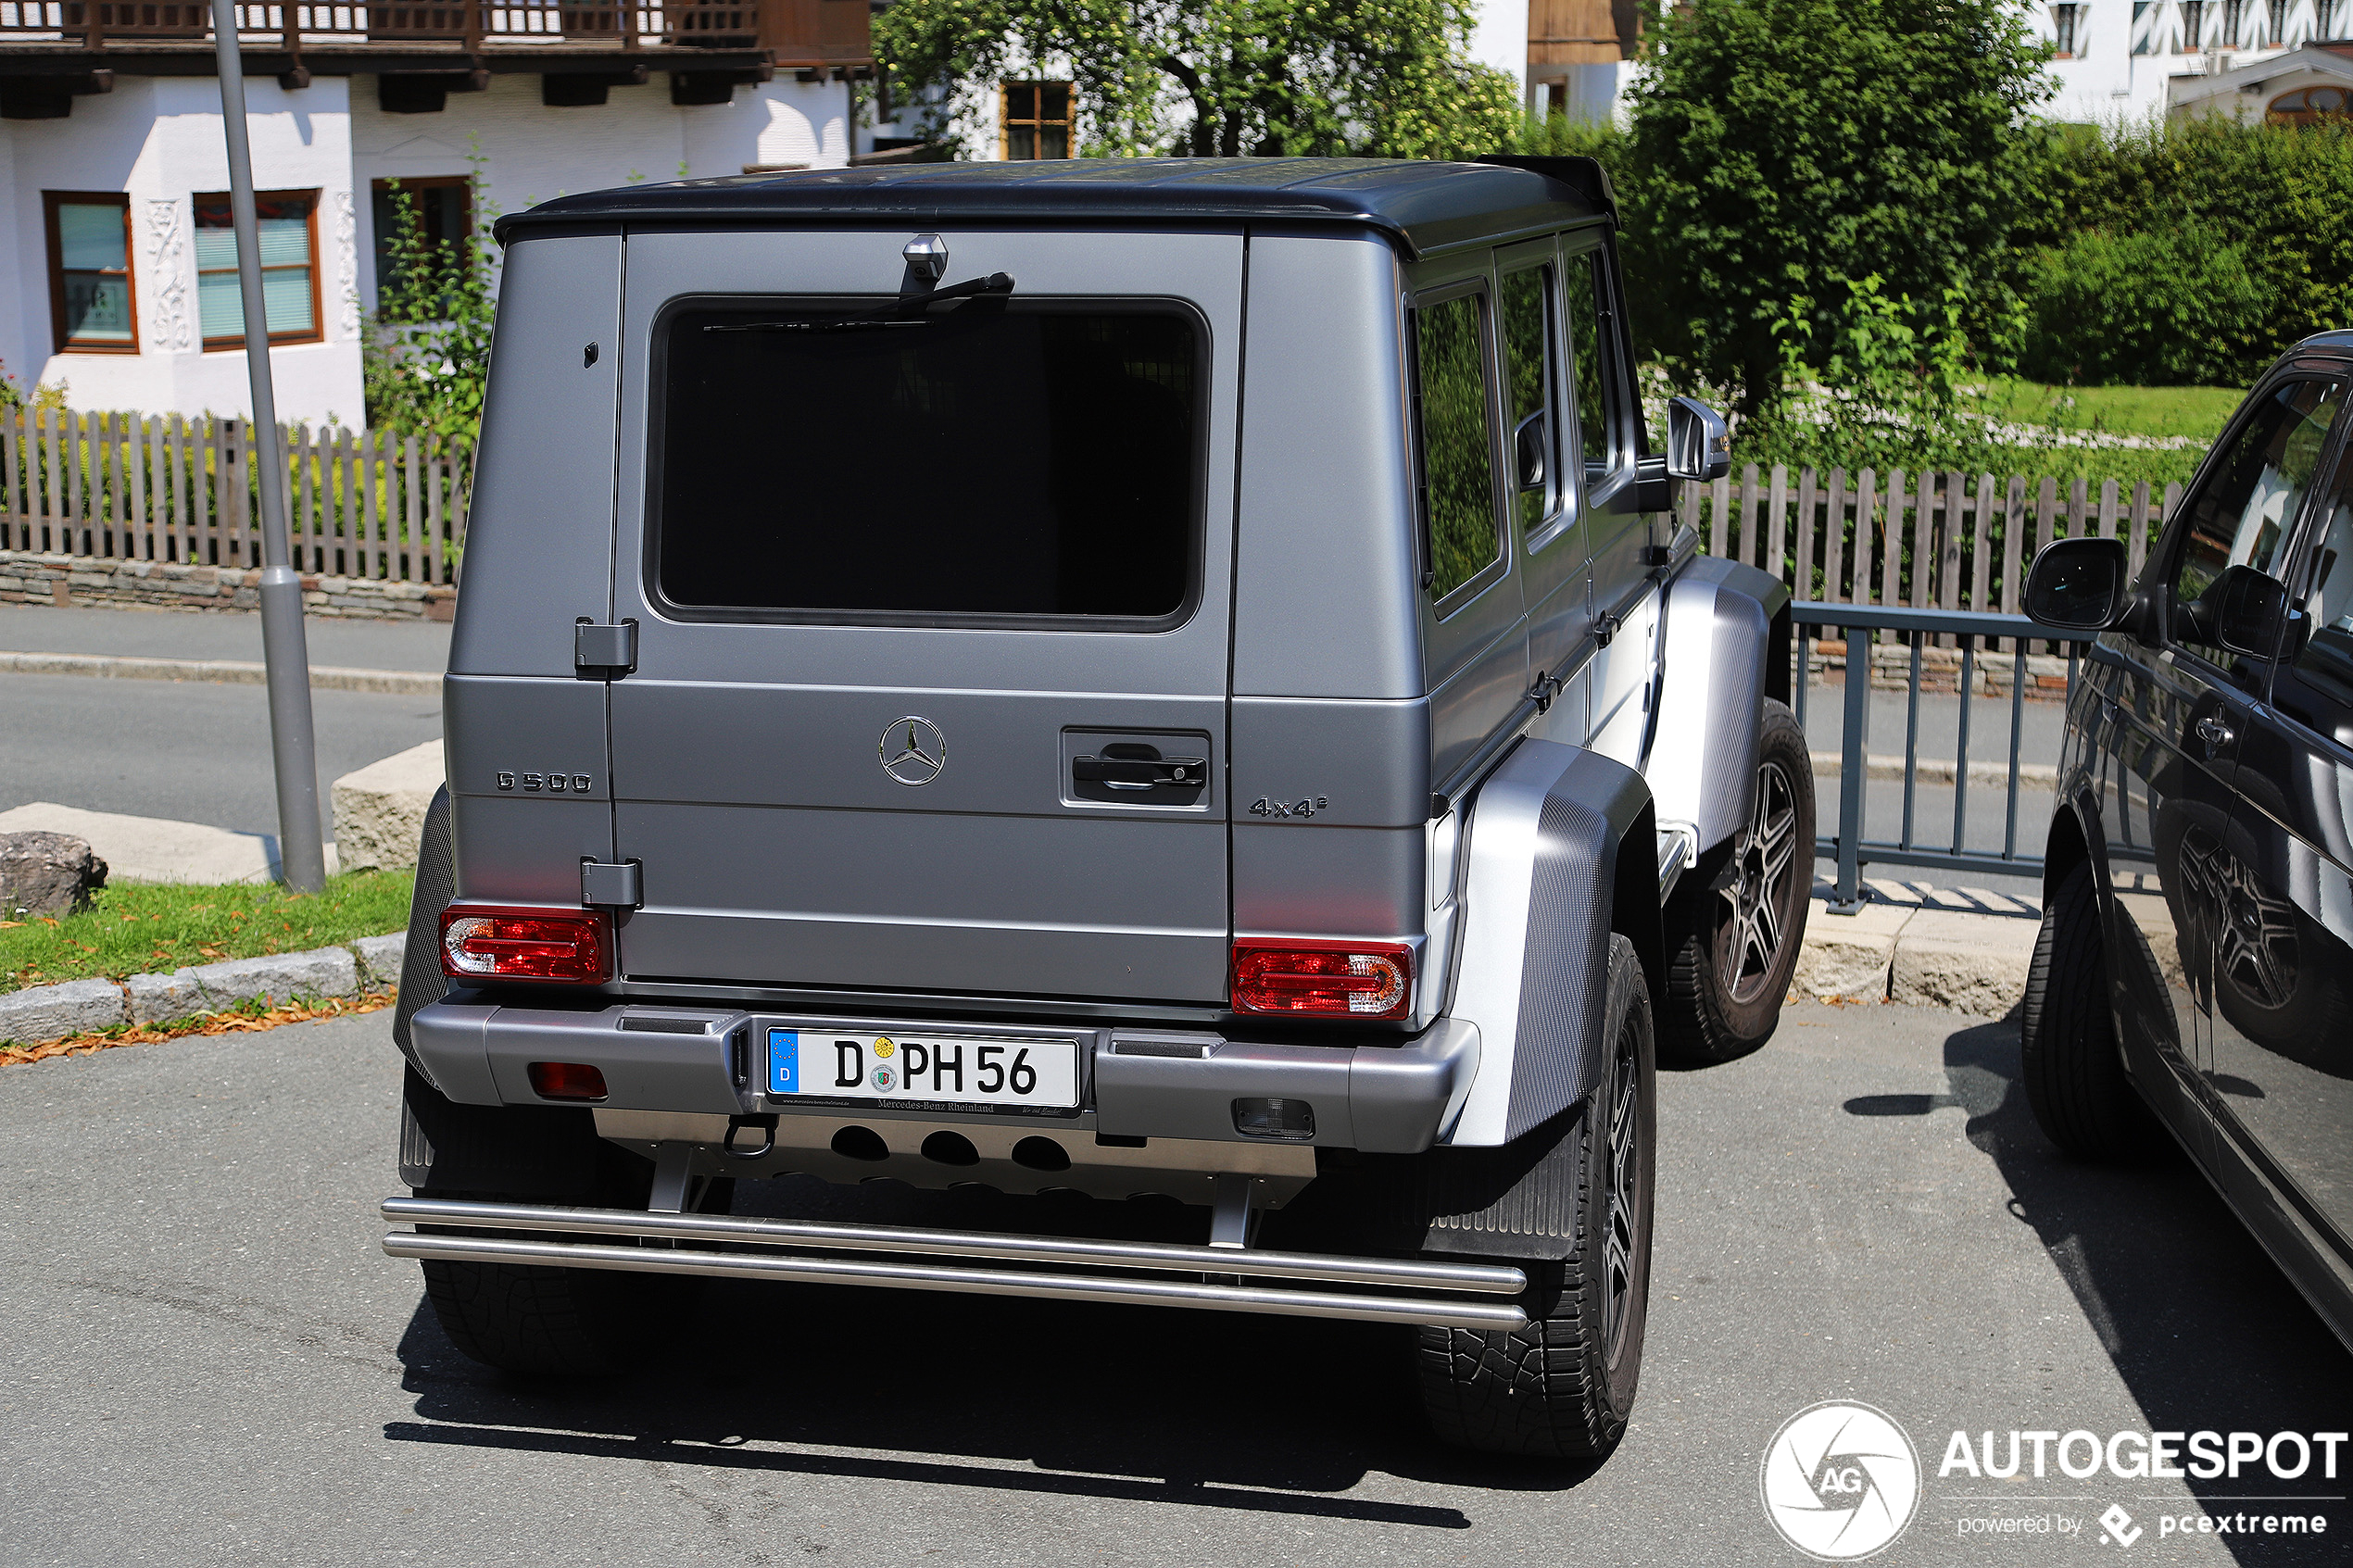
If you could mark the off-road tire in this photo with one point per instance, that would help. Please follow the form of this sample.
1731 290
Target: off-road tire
2074 1074
539 1320
1723 998
1563 1387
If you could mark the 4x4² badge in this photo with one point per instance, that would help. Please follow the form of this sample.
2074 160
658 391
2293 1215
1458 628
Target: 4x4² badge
912 750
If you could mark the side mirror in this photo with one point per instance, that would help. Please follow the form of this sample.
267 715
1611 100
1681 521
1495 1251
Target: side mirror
1698 447
2080 584
2240 612
1529 444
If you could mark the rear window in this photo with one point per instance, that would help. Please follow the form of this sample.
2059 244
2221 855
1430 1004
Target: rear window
996 461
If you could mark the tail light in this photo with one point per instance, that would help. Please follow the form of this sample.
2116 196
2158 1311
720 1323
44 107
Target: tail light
567 1080
567 946
1324 979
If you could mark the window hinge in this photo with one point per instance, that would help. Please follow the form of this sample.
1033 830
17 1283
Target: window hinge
1546 689
611 886
1605 628
603 653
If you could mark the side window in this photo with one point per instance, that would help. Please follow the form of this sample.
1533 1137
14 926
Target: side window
1536 482
2250 503
2324 662
1585 307
1457 439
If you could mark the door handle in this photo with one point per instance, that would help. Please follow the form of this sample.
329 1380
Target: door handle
2215 733
1141 773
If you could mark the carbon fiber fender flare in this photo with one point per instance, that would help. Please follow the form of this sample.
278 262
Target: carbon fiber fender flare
420 977
1726 624
1561 852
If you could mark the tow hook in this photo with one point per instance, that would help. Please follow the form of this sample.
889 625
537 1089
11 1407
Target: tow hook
766 1125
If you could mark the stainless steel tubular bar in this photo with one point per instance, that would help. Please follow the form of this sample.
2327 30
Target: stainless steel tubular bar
1498 1317
1481 1279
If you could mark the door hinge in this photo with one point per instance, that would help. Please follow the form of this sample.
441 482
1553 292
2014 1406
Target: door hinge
603 653
611 886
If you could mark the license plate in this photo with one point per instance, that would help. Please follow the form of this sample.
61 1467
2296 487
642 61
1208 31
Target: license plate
935 1068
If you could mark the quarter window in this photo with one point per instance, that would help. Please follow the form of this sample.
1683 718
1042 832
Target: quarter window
289 269
1585 311
1037 119
90 298
1457 441
1527 376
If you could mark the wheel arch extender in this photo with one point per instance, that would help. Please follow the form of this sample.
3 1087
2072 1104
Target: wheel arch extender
436 887
1560 856
1725 622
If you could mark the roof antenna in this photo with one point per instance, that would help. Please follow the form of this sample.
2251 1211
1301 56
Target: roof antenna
927 264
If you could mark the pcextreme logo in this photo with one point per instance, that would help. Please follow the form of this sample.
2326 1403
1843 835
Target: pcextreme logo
1840 1481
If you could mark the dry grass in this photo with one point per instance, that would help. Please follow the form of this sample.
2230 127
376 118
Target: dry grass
238 1021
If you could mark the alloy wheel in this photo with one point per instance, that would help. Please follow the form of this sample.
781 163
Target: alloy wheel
1622 1166
1765 863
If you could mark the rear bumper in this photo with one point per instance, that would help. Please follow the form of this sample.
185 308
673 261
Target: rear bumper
1136 1081
1472 1296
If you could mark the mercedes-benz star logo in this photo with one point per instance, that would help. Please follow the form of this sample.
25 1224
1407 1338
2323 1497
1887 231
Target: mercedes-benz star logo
913 751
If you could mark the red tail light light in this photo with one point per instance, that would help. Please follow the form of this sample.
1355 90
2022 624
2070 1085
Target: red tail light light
1324 979
566 1080
559 945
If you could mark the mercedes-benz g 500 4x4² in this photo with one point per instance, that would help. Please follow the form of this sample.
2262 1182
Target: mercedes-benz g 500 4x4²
1124 678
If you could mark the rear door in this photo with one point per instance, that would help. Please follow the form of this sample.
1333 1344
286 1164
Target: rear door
932 614
1474 626
2187 706
2282 1074
1543 404
1623 598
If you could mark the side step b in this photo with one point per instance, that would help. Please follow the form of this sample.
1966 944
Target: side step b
1063 1268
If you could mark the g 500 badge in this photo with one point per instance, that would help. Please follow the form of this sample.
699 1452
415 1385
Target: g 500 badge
551 784
1263 807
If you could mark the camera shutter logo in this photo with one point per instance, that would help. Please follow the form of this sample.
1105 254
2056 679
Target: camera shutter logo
1840 1481
914 751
